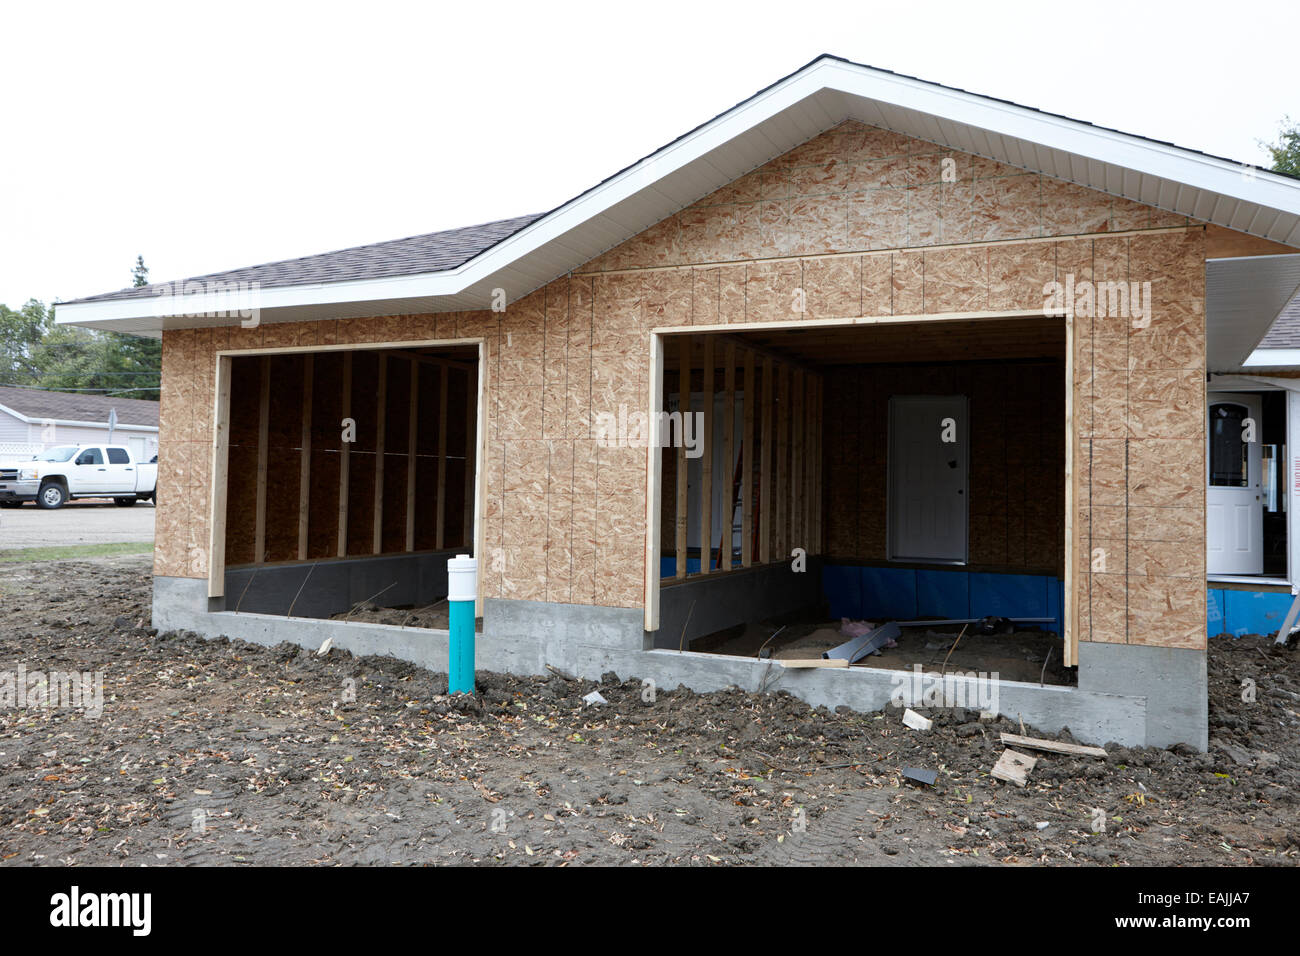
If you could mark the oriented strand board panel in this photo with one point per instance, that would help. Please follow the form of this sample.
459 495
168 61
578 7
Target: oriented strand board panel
856 222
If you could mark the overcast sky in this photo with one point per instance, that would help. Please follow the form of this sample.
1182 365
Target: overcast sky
212 136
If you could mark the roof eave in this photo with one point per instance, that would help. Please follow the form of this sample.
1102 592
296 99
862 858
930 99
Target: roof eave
825 92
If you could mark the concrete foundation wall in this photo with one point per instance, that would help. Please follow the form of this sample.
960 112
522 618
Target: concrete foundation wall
522 637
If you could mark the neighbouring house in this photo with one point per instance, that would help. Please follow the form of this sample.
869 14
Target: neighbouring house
937 355
32 420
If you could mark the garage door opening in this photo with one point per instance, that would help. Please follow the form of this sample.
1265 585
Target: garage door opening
855 474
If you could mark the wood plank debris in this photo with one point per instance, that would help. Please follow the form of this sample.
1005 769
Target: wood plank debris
813 662
1052 746
1014 767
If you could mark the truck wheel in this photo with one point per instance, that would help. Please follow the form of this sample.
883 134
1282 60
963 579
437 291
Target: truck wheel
124 502
52 495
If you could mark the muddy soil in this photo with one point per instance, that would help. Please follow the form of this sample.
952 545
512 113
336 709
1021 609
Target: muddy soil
220 752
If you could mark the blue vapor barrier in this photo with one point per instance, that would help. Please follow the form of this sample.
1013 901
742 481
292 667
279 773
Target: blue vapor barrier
1229 611
865 592
668 566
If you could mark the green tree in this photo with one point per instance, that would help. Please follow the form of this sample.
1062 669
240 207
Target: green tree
1286 151
21 332
37 352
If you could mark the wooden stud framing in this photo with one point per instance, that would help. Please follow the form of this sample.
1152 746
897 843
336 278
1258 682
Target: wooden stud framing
412 432
440 530
818 543
706 462
684 406
729 456
304 461
263 450
220 469
377 544
781 536
654 485
1073 594
344 451
470 405
765 470
747 468
798 427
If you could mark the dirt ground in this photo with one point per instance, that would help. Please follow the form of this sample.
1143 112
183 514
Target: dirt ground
226 753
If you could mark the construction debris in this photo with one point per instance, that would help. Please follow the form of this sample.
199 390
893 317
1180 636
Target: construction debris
918 775
799 662
594 698
325 647
914 720
1014 767
1052 746
863 642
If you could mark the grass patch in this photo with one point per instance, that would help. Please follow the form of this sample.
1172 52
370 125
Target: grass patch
70 551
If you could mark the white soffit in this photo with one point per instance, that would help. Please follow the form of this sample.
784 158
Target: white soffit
1243 298
773 121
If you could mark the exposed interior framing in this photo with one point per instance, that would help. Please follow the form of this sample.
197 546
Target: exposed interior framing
424 499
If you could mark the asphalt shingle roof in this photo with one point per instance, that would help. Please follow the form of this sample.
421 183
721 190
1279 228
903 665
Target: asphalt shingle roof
1285 331
78 407
431 252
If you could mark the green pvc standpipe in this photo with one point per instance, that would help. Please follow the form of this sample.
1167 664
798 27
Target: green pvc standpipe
462 589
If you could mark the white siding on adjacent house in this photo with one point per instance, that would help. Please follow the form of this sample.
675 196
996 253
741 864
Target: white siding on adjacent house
12 429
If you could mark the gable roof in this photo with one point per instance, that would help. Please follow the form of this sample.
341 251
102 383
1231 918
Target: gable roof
822 94
36 405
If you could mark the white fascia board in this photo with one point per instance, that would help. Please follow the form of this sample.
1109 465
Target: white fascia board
1272 358
1143 157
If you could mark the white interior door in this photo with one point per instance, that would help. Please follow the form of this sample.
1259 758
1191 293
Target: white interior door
1234 508
928 456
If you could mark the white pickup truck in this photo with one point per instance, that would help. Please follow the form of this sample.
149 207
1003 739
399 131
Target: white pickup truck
59 474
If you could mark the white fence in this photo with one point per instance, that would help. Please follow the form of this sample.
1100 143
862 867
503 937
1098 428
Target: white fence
18 449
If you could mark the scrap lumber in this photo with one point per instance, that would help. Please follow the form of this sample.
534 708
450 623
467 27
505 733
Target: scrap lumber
1052 746
813 662
1014 767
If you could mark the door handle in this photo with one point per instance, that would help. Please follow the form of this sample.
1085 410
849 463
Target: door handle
101 469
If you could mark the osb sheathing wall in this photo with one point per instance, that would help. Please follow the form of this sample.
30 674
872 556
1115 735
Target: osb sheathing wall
862 220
